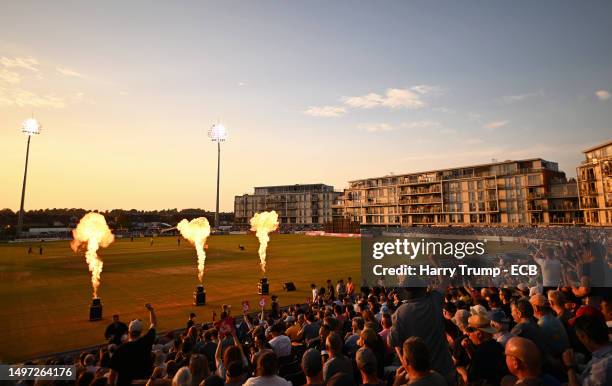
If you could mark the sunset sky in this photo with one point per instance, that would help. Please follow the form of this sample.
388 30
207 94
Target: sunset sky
310 92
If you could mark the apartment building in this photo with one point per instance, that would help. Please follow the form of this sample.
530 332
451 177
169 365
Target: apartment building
594 177
530 191
307 205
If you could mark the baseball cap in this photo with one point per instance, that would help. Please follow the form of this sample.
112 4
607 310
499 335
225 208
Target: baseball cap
499 316
586 311
289 319
478 309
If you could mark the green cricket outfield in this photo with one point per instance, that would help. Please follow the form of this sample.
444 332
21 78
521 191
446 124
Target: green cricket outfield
45 298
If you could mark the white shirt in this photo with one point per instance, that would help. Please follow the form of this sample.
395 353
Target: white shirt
273 380
281 345
551 271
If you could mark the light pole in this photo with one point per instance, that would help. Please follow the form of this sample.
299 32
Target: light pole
30 127
218 133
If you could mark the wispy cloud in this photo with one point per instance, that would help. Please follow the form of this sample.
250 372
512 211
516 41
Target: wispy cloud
9 76
68 72
422 124
325 111
425 89
393 98
18 62
377 127
603 95
521 97
24 98
495 125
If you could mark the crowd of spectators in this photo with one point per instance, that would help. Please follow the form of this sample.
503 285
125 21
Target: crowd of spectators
415 336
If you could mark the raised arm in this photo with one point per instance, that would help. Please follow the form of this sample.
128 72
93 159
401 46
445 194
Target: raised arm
152 316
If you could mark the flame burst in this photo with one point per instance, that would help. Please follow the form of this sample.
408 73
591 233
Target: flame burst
92 229
196 231
262 224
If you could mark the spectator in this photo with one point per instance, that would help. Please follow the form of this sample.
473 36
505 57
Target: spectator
191 321
501 323
416 366
182 377
551 327
280 343
133 358
337 362
368 367
486 355
266 374
234 376
421 316
524 362
115 331
198 366
312 366
592 331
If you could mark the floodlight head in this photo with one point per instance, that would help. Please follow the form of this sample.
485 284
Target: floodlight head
217 133
31 126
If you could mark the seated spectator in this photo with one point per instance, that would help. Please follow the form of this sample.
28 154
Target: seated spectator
592 331
235 374
486 355
416 366
368 367
182 377
266 373
501 323
551 327
312 366
524 362
280 343
337 362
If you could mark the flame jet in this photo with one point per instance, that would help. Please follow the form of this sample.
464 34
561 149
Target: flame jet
94 231
262 224
196 231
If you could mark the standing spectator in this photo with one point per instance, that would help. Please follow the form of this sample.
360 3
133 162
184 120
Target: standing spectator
416 366
115 331
312 366
191 321
266 373
350 287
421 316
337 362
132 360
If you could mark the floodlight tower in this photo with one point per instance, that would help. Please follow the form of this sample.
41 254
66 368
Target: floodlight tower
30 127
218 133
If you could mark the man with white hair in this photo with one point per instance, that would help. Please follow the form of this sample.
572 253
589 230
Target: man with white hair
133 358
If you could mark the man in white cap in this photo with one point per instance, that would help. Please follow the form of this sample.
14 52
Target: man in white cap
487 356
133 358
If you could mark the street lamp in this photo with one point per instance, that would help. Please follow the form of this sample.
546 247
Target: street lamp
30 127
218 133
